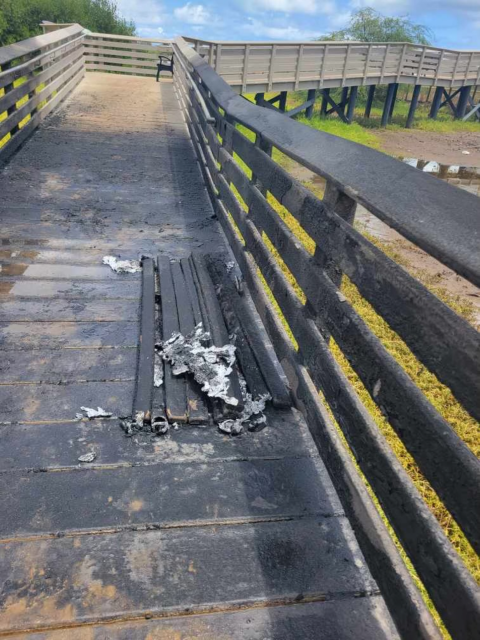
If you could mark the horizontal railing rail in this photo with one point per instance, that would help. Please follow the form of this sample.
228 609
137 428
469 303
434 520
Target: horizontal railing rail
35 76
250 67
124 54
243 180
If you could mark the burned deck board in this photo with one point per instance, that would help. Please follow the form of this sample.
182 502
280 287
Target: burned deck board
56 366
77 192
58 445
15 336
142 402
360 619
218 330
175 391
197 410
99 577
95 310
259 364
141 496
57 403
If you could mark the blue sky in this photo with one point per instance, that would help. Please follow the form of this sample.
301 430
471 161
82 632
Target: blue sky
455 23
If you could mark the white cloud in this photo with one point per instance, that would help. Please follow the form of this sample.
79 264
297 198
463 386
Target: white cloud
287 6
261 30
192 14
145 12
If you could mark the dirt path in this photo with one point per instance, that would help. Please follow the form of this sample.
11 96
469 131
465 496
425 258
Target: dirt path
445 148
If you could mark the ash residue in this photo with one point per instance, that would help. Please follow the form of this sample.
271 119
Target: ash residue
252 415
122 266
210 365
90 413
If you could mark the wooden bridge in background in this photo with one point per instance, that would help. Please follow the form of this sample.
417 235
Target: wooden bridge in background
301 530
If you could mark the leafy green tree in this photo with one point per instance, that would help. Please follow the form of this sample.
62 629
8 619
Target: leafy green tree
20 19
367 25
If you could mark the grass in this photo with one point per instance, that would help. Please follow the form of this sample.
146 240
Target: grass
437 393
362 130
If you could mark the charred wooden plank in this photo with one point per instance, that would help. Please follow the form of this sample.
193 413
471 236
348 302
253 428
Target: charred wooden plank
218 330
335 618
174 385
310 558
124 496
257 363
142 404
59 444
197 410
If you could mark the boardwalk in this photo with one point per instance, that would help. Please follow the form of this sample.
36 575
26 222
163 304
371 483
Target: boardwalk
249 532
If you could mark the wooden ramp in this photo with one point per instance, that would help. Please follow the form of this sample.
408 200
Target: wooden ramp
193 535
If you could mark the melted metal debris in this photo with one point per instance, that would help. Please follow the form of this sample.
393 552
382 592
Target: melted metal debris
122 266
158 427
93 413
252 413
210 366
88 457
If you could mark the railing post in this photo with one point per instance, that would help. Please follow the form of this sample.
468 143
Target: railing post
437 99
462 102
324 107
388 103
413 105
266 147
344 207
371 95
310 96
351 104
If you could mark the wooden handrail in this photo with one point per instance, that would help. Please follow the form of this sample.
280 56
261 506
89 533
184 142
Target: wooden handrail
314 64
38 73
443 220
20 50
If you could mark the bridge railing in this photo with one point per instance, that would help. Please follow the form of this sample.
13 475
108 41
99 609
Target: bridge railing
124 54
299 294
252 67
35 76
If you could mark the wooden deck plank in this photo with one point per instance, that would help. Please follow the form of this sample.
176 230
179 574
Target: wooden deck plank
104 577
89 184
142 402
175 392
16 336
56 366
351 619
58 445
216 493
16 288
57 403
196 405
66 310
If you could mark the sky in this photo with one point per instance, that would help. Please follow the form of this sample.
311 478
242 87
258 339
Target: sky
455 23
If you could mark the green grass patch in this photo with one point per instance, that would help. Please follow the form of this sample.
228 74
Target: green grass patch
354 132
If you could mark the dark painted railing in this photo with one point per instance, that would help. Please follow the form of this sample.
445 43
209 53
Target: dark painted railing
442 220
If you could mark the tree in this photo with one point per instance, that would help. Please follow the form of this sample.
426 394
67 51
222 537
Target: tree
367 25
20 19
